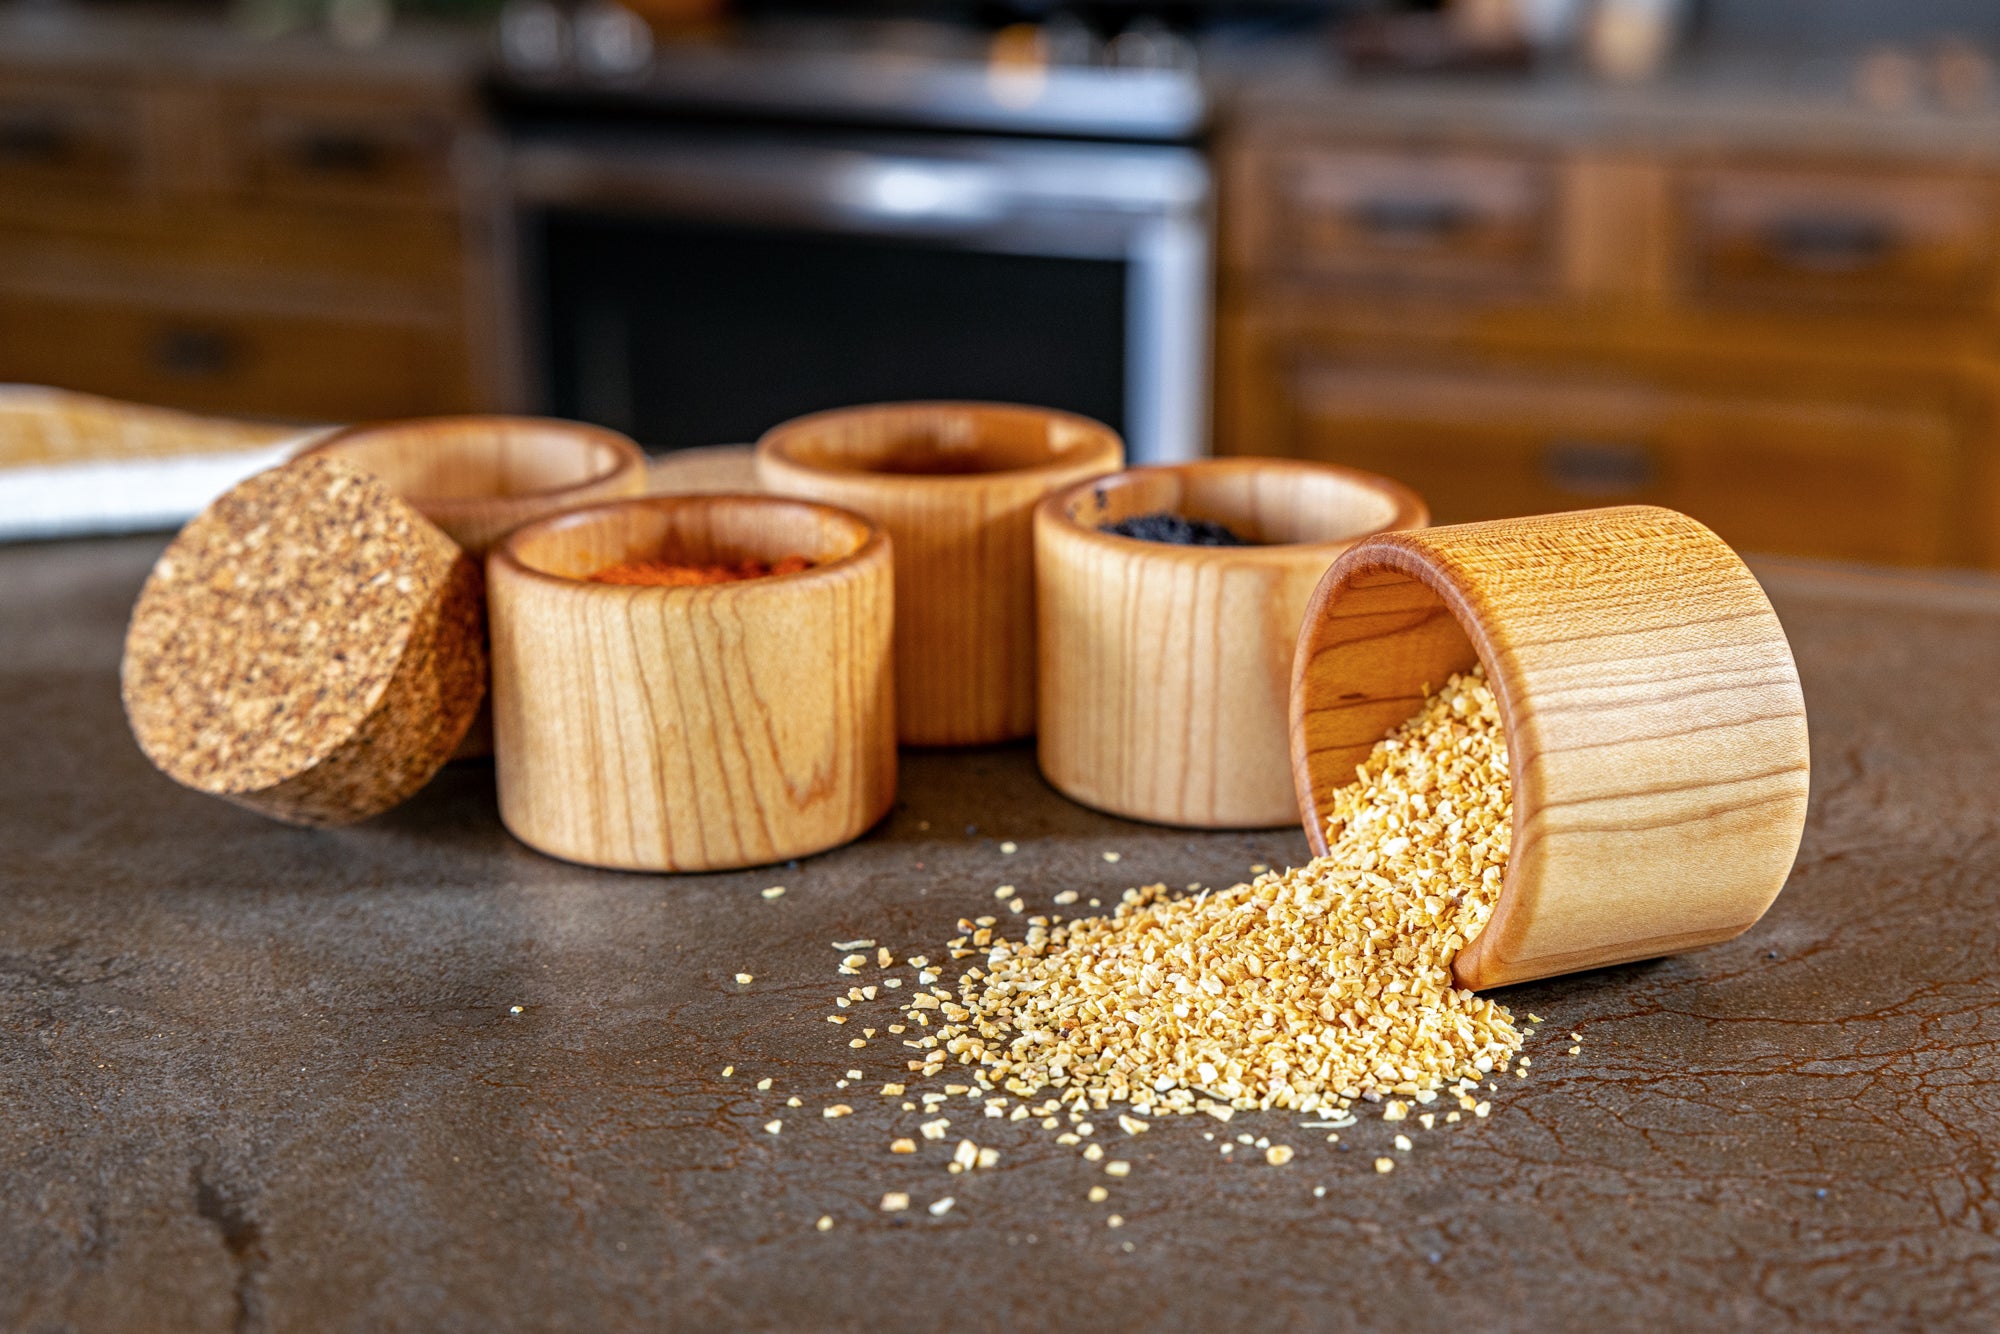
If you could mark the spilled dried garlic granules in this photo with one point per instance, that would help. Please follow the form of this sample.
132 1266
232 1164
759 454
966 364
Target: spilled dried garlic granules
1302 990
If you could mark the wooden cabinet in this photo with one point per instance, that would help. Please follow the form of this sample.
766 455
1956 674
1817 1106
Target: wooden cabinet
213 228
69 140
1801 351
1782 237
1439 220
1818 478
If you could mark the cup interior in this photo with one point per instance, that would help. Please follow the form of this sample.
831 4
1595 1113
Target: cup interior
1268 502
483 458
692 530
939 439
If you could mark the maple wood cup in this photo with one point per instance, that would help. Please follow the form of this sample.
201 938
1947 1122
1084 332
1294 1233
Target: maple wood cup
955 485
701 728
1165 668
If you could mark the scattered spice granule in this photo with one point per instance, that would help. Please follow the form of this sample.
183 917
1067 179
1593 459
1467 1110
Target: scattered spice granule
895 1202
1115 1220
1403 1143
1278 1155
1385 1164
1482 1109
836 1111
1301 990
940 1208
764 1083
744 979
1111 856
1099 1194
1093 1152
1118 1168
1132 1125
857 1042
774 892
671 574
892 1090
902 1146
793 1102
728 1070
1009 848
825 1223
1319 1192
773 1127
1395 1111
1576 1051
854 944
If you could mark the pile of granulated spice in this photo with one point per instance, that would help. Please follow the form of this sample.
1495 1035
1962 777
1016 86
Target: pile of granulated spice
1301 991
671 574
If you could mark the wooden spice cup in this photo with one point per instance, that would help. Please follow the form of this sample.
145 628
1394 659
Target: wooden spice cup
481 477
693 729
1656 733
1165 669
955 486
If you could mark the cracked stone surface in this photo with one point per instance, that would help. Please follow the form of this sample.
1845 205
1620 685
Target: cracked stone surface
262 1078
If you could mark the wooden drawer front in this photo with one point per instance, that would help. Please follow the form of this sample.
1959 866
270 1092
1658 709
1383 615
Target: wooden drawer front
68 139
307 152
1801 478
1420 218
1787 237
303 367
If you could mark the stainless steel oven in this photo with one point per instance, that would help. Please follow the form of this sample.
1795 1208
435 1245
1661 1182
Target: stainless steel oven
694 280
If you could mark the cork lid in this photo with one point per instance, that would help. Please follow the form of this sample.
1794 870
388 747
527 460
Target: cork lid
310 647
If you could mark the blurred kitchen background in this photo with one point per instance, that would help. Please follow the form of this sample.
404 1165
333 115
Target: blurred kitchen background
1733 256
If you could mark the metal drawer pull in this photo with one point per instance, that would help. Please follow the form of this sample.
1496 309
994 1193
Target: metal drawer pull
1599 468
39 139
1413 221
192 352
1828 243
340 154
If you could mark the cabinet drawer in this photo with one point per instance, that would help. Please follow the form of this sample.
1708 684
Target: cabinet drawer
1803 478
303 367
68 139
1781 236
1421 218
302 150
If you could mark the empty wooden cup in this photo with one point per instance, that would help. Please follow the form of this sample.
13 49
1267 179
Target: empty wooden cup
1656 733
955 485
693 729
479 478
1164 668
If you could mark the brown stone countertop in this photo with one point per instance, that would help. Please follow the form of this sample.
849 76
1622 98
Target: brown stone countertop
261 1078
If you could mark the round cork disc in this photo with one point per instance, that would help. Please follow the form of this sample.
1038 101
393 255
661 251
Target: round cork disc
309 646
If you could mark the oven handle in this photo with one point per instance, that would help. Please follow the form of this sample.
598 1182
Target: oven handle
844 189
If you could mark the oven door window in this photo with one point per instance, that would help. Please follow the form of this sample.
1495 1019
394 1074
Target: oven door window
684 334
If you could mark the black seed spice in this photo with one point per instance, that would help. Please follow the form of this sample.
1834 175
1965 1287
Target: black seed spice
1175 529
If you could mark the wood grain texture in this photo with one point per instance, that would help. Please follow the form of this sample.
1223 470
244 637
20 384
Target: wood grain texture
1655 726
309 647
1165 669
479 478
693 729
955 485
